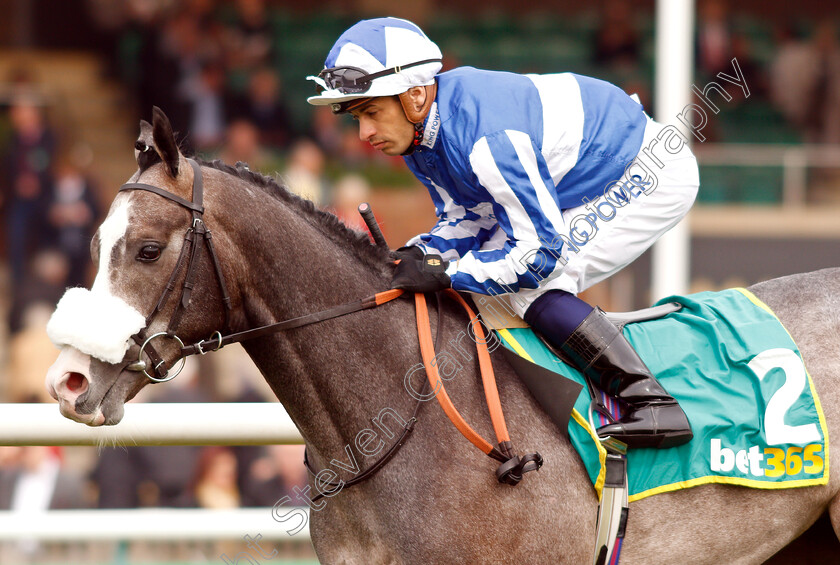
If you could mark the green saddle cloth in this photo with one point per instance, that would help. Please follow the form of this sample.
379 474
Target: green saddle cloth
740 379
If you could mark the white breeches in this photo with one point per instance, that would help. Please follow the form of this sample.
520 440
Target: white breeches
613 230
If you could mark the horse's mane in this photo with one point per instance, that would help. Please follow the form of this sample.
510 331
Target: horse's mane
328 223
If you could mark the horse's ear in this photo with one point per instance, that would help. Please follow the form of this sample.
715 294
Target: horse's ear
164 140
145 131
144 147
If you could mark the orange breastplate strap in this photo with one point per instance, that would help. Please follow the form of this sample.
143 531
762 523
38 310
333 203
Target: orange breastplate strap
513 466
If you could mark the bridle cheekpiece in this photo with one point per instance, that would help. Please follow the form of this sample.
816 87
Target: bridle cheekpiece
190 251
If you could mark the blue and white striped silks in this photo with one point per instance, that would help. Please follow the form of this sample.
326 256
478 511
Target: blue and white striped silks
503 155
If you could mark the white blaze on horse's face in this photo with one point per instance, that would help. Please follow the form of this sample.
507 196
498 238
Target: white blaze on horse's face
91 323
97 322
112 230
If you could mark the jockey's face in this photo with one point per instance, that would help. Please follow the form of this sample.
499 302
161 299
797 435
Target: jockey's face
383 124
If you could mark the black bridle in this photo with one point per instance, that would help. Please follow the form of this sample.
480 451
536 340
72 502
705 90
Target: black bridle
196 237
190 251
197 234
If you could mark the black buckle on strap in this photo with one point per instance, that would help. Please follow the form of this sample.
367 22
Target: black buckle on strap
511 471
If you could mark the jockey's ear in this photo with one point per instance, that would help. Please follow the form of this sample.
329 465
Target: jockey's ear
416 102
417 95
165 141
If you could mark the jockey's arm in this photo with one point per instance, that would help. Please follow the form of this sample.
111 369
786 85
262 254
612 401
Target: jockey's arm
458 229
455 233
510 168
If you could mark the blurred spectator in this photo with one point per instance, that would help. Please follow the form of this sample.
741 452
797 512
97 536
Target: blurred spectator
617 43
791 75
44 282
822 121
328 131
350 191
635 85
134 477
275 475
30 355
215 484
203 93
204 13
242 143
198 81
263 104
805 83
33 482
152 475
37 482
714 38
149 61
26 188
355 154
175 70
9 455
117 476
304 174
248 41
755 75
73 214
22 82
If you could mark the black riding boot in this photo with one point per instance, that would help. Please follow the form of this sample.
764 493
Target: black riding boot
652 417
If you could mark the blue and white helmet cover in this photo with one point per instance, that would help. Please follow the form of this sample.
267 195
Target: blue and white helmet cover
379 44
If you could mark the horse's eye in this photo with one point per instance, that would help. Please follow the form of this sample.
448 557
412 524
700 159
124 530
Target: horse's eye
149 253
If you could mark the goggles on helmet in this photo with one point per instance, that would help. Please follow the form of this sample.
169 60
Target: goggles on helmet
352 80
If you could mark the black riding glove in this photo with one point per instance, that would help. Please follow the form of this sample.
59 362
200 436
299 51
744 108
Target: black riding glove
427 274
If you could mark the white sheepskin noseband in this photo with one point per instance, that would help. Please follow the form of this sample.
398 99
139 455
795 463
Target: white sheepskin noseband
95 323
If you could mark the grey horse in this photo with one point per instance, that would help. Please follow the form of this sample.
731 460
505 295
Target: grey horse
437 500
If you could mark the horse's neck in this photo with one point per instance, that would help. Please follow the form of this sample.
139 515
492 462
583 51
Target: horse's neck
335 376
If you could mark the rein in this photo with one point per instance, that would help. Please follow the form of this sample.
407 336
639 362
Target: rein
190 251
218 341
512 466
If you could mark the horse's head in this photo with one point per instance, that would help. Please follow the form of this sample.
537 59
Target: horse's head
138 250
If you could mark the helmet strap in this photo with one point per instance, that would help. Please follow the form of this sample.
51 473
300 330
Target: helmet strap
419 128
415 116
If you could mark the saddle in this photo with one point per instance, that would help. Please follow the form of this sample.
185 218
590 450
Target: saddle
555 393
714 347
739 377
557 396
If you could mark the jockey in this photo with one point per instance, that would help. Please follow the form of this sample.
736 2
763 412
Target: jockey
543 185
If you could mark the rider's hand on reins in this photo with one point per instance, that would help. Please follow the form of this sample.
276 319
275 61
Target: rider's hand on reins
416 272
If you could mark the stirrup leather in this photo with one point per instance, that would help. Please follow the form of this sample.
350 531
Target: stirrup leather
612 512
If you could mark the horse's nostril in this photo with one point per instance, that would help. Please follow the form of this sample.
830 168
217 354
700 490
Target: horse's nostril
77 383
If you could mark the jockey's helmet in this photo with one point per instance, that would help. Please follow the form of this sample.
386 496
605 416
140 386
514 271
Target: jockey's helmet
378 57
